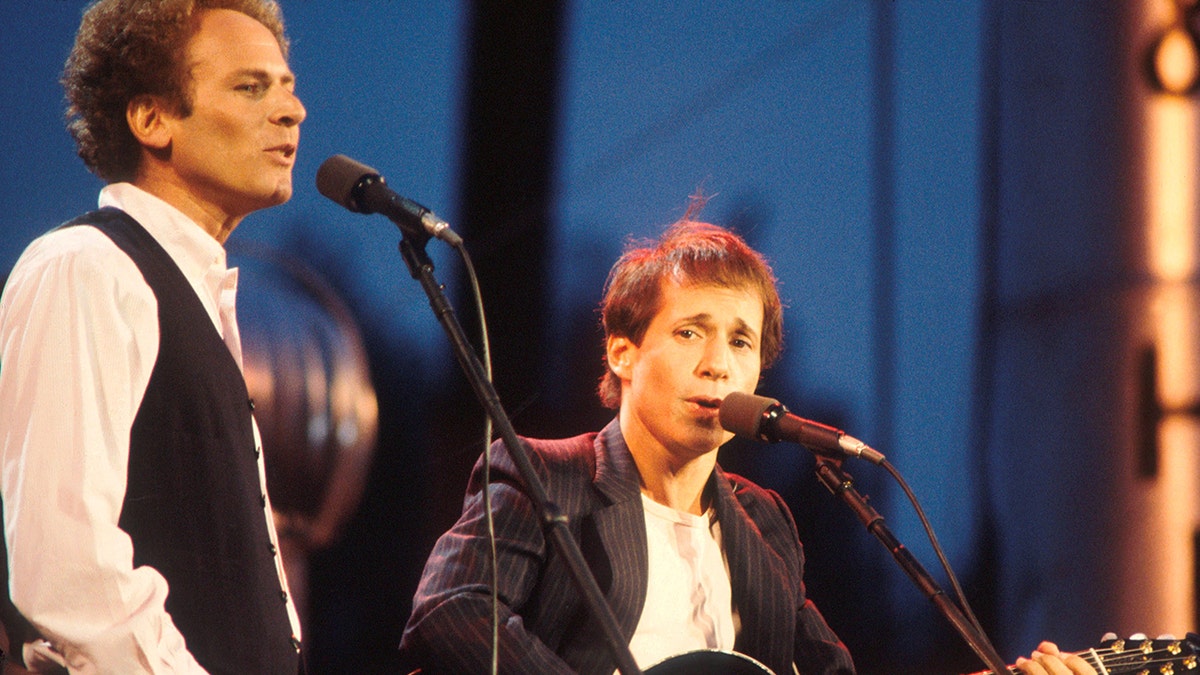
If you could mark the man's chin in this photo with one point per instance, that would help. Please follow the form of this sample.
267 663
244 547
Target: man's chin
282 194
710 436
279 195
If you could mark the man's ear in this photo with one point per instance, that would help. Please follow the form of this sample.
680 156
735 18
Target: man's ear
619 352
147 119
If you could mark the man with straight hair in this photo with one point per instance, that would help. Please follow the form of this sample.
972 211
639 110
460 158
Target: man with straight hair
690 558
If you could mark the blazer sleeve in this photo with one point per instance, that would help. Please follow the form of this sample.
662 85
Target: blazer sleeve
817 650
450 629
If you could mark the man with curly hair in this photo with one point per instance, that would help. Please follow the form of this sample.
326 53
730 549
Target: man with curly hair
137 523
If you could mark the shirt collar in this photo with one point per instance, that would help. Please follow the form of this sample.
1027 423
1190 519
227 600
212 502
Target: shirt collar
198 255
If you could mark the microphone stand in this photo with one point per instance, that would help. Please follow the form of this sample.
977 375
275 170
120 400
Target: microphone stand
553 520
840 484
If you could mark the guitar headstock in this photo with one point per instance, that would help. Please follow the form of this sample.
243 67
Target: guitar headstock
1140 655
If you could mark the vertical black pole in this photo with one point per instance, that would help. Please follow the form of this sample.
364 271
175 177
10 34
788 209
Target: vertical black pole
507 176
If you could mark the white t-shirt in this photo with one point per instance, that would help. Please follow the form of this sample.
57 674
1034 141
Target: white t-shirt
689 603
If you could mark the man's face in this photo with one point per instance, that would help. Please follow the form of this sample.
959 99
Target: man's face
703 343
234 153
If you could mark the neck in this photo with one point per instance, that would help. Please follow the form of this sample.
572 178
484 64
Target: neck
672 479
681 494
211 218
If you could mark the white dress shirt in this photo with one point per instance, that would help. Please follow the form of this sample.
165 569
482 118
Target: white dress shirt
78 340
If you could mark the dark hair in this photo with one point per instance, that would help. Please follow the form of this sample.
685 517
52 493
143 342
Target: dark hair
690 253
130 48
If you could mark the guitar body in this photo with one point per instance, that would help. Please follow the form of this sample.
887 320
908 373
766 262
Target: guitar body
1133 656
708 662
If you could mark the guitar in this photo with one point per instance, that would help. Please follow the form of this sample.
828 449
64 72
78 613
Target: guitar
1140 656
708 662
1114 656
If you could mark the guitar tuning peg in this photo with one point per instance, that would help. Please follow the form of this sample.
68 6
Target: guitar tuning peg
1138 636
1166 636
1108 636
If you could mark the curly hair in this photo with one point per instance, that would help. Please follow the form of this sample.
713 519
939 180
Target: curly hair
130 48
690 253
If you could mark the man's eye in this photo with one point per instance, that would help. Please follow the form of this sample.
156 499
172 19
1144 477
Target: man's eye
250 87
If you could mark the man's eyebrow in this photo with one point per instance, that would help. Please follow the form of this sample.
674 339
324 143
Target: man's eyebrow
706 318
263 75
746 328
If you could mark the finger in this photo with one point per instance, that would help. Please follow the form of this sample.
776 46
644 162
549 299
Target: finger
1029 667
1078 665
1075 664
1050 648
1053 664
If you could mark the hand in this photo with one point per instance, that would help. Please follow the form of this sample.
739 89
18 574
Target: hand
1048 660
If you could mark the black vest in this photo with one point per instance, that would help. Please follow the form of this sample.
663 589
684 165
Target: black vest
193 506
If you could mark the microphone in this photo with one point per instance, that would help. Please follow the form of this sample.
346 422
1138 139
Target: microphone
765 419
361 189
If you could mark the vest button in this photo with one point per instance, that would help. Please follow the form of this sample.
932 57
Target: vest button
263 499
271 548
295 644
250 402
283 595
257 452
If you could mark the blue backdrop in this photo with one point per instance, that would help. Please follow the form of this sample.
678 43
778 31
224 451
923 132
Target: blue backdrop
840 137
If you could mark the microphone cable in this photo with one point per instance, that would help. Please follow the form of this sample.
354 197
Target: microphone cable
485 358
960 596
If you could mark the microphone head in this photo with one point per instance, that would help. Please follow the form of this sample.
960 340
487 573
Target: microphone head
338 177
743 414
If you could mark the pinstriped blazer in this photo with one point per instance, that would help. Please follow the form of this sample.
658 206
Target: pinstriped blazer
544 626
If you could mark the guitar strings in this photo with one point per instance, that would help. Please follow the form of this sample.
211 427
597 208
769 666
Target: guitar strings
1126 660
1134 656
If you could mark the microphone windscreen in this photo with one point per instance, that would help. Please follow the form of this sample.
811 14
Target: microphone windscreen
742 413
337 177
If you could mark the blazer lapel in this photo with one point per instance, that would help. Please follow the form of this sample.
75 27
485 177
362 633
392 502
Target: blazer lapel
621 527
762 594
